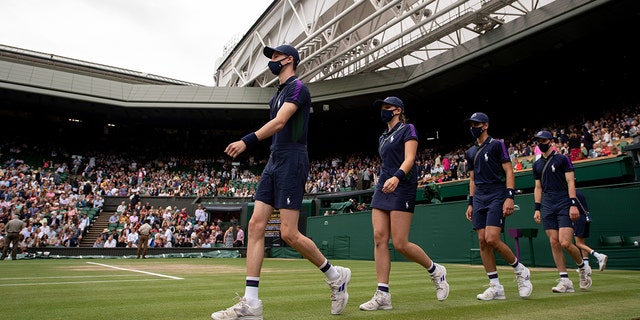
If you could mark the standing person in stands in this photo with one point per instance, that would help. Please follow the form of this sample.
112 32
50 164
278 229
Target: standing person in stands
144 231
228 237
239 237
581 229
12 228
556 207
393 204
491 194
282 185
575 142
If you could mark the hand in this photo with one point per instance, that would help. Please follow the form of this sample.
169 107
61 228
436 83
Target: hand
390 185
574 214
235 148
536 217
507 207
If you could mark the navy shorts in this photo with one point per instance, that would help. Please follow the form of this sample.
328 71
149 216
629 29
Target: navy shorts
403 198
555 211
283 178
487 206
581 227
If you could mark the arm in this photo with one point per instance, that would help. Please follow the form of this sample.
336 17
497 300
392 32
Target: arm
507 207
537 199
267 130
410 150
574 213
472 190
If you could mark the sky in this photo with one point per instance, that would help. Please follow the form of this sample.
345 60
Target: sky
179 39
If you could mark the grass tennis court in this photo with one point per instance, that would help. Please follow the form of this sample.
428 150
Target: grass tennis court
290 289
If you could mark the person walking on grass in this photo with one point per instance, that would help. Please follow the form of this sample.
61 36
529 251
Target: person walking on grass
581 231
556 208
281 187
491 196
393 204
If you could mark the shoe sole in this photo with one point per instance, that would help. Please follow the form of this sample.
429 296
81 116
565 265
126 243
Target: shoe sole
604 263
526 295
566 291
379 308
494 298
587 286
245 318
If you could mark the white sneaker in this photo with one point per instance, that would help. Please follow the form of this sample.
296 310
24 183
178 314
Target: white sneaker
602 261
523 278
380 301
564 285
494 292
339 294
240 310
439 278
585 277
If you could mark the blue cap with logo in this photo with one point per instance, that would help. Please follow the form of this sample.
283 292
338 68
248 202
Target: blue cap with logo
543 134
479 117
394 101
286 49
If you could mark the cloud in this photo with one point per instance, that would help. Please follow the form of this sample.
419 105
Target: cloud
175 39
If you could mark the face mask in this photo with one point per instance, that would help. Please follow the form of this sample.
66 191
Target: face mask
386 115
544 147
476 131
275 66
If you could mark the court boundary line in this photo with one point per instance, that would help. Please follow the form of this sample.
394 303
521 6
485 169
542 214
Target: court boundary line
138 271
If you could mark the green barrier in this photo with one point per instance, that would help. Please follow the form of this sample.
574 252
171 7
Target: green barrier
443 231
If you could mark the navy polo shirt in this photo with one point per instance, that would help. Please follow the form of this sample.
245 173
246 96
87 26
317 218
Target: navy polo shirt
296 129
391 149
554 180
487 166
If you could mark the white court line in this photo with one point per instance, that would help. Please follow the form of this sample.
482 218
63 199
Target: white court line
69 277
71 282
139 271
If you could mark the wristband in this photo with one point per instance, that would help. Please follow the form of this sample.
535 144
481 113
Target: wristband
470 200
399 174
251 138
511 193
537 206
574 202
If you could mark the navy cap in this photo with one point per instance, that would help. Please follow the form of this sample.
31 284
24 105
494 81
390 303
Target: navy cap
286 49
543 134
479 117
394 101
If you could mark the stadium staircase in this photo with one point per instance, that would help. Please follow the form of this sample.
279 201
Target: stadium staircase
100 223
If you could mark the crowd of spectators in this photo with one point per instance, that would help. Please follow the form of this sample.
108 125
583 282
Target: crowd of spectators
49 196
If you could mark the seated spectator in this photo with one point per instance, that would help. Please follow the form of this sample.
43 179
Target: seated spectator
111 242
114 218
121 208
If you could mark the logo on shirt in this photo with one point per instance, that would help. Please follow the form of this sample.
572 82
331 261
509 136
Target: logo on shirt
486 157
553 168
288 201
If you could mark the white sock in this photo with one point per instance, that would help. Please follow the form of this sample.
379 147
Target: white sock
251 292
331 273
519 267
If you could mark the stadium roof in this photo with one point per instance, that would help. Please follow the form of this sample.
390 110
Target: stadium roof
568 54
